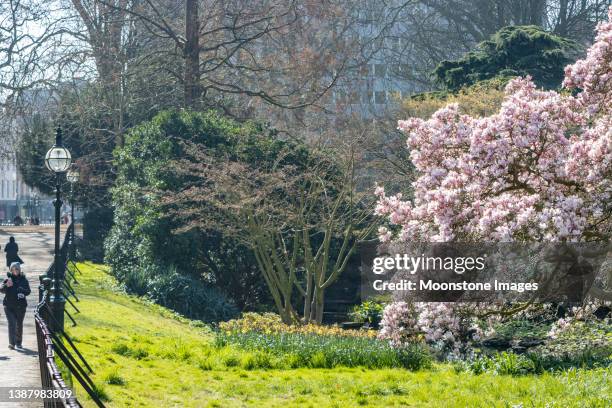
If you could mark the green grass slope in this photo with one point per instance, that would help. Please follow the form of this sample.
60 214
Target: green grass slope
146 356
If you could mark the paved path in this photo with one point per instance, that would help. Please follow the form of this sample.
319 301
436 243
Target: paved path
20 369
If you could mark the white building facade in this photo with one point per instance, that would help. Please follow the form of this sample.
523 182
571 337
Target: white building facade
16 197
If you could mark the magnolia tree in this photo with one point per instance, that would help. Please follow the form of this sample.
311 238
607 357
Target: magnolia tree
539 169
451 331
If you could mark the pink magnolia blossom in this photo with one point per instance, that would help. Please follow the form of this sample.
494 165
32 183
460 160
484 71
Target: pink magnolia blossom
539 169
440 324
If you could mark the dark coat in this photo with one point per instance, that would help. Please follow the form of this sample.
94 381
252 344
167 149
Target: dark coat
15 296
11 250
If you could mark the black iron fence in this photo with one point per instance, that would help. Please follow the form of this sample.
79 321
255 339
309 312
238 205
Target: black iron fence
58 344
50 375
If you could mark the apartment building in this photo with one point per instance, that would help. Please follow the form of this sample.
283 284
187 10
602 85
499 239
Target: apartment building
16 197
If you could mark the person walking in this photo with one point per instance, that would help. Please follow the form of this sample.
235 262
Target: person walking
18 221
12 252
15 288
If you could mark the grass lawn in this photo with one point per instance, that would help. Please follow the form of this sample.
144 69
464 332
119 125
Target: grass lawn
146 356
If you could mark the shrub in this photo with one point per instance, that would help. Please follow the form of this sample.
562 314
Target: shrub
521 328
512 364
538 361
501 364
414 357
575 343
191 297
445 326
183 293
146 239
97 222
512 51
481 99
477 366
368 312
399 324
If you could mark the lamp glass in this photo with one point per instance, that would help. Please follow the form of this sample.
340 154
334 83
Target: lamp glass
73 176
58 159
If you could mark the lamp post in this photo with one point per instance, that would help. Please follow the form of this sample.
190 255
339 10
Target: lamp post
73 177
57 160
36 203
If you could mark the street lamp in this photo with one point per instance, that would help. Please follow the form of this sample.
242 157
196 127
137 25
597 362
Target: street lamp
36 204
73 176
58 160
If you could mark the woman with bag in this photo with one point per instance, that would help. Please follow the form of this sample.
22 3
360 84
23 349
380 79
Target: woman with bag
15 287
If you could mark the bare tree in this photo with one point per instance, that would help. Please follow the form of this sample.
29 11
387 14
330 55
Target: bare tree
224 49
30 43
110 36
302 221
575 18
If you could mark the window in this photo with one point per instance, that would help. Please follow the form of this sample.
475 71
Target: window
380 70
365 16
364 70
394 44
340 96
380 97
406 69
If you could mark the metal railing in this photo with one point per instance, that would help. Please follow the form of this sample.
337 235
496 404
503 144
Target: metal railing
59 344
50 375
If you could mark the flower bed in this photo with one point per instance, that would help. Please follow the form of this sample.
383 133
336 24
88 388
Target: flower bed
270 323
276 345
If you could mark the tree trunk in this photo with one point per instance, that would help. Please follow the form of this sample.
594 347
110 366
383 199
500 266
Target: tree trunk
562 21
537 12
191 53
105 23
308 296
320 305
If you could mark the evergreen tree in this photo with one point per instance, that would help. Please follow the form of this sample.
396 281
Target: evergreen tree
512 51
